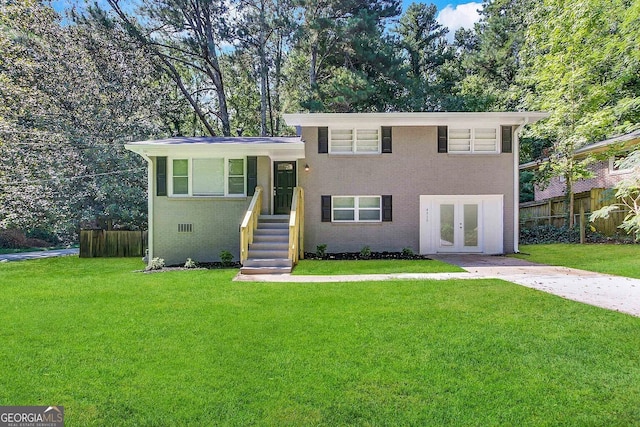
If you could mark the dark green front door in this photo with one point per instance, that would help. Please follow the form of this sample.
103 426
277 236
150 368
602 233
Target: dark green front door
284 181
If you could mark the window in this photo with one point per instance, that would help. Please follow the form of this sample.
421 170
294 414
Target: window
354 141
614 165
473 140
208 177
356 209
181 176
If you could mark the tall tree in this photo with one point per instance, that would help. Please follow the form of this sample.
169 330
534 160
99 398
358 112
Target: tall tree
423 42
582 66
347 54
183 34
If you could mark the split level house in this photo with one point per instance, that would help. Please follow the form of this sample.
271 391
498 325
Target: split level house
430 182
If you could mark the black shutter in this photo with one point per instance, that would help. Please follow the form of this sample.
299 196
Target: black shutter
252 175
326 208
442 139
323 140
161 176
507 139
387 210
386 139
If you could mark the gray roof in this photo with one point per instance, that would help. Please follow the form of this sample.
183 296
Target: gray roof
611 141
208 140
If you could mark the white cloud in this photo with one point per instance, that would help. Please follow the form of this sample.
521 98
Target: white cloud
460 16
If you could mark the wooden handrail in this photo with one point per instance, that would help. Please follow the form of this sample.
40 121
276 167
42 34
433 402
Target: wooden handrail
296 226
249 224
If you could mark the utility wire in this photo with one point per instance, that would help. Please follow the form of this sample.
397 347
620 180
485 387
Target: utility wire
41 181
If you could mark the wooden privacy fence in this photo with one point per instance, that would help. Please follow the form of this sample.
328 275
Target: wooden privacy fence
554 212
102 243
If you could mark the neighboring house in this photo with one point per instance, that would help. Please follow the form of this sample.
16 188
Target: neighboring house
432 182
605 173
549 204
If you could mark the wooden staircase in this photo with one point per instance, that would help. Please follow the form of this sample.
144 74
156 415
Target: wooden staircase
269 252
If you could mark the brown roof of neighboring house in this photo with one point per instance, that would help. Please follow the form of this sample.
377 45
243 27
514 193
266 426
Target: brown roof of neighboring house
626 140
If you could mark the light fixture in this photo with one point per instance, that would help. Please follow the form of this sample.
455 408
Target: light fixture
306 167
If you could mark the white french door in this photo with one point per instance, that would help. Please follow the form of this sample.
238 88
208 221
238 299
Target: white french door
458 227
461 224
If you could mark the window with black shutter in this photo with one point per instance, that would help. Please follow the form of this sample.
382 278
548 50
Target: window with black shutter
386 139
507 139
387 210
442 139
323 140
252 175
325 205
161 176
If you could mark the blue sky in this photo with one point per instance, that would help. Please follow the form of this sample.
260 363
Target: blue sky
453 14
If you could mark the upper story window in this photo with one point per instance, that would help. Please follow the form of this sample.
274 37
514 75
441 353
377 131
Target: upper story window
354 141
473 140
207 177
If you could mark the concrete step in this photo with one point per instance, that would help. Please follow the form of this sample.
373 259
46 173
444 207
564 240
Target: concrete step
268 254
273 225
274 218
271 238
271 232
265 270
269 262
269 246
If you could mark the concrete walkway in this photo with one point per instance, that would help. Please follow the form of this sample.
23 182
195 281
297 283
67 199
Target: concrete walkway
38 254
602 290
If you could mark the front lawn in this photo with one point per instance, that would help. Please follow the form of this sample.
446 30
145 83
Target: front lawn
621 260
338 267
116 347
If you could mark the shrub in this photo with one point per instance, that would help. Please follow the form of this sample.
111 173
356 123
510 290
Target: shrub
321 250
190 263
365 253
13 239
226 258
407 253
156 264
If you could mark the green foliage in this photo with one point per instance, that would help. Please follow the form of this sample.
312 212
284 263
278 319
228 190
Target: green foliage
628 195
407 252
365 252
226 258
321 250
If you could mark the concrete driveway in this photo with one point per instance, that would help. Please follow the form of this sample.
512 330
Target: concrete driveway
602 290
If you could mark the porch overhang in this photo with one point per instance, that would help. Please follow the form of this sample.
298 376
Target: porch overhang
282 148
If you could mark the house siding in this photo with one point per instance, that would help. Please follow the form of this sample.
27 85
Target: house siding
414 168
603 178
215 223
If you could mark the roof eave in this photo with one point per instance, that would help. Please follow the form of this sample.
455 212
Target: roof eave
412 119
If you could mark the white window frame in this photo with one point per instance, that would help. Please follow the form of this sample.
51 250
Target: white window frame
356 209
354 141
473 140
612 166
190 177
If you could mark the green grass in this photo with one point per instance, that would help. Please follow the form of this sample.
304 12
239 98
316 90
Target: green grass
116 347
621 260
320 267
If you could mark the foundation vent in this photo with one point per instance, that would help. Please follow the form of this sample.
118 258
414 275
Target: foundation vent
185 228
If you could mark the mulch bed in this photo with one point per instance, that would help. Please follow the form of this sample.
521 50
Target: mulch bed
358 256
